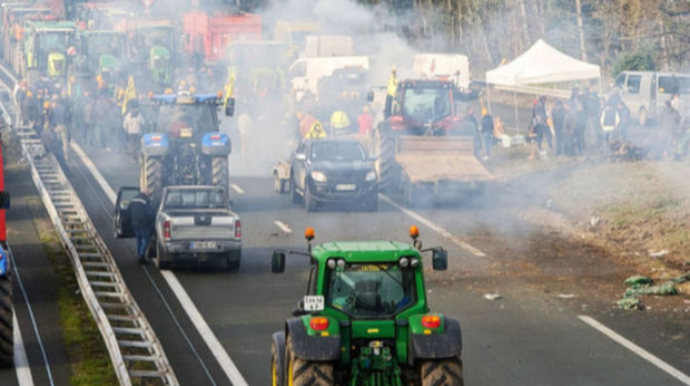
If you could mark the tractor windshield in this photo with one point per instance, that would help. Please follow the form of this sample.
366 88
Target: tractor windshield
52 42
371 290
426 104
187 120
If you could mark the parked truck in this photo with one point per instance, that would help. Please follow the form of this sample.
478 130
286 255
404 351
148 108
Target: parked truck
365 319
193 223
185 145
6 310
420 148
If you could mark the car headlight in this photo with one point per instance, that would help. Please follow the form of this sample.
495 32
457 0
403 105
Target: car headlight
371 176
319 176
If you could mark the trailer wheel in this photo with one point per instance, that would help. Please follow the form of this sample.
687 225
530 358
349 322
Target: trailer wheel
442 372
301 372
278 183
152 177
220 176
6 332
385 162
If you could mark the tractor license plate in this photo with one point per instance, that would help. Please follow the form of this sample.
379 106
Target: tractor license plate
345 188
313 303
203 245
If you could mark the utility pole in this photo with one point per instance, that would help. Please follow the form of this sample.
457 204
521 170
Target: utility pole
581 30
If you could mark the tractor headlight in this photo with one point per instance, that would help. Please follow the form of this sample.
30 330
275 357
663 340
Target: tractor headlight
319 176
371 176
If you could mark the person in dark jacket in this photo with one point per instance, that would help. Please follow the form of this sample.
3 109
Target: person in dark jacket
470 126
624 123
487 132
141 215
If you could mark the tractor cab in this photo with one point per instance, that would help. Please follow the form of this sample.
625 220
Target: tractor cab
104 51
186 116
365 317
46 47
423 107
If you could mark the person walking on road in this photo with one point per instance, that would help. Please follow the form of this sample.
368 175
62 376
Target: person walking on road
132 125
141 215
487 132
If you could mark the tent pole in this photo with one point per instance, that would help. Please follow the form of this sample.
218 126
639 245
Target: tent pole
517 120
488 97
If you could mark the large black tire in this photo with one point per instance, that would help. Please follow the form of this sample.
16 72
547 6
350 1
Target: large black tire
441 372
301 372
151 177
385 158
233 261
6 332
220 176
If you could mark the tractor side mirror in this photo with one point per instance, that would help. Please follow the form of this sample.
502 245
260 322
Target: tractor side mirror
370 96
278 262
4 200
439 260
229 107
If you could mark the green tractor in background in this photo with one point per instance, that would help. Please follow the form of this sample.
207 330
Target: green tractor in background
46 46
103 53
152 45
365 320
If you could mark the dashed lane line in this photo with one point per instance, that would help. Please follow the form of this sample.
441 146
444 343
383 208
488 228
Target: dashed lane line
283 226
670 370
237 188
418 217
21 362
214 345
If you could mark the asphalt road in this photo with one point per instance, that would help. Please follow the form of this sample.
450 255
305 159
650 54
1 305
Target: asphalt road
525 339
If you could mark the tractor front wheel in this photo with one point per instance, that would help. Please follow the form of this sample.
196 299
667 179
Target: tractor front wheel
301 372
152 177
441 372
219 172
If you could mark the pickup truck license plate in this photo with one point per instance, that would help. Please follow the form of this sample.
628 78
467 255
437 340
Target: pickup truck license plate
345 188
203 245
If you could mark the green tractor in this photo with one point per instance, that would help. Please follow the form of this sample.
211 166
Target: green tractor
104 53
365 320
46 47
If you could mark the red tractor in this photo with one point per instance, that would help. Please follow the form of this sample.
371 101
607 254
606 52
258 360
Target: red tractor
422 145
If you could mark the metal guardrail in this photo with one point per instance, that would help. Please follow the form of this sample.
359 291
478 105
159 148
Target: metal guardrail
134 348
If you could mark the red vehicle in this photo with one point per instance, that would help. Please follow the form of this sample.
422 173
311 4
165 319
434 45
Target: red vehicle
208 36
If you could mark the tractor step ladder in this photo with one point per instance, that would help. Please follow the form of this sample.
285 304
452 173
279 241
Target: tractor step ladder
135 351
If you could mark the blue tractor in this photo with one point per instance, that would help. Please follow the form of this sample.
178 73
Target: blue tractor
184 145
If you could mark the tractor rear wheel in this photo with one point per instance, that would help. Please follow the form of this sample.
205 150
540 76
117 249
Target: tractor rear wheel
442 372
219 172
301 372
6 332
385 161
152 177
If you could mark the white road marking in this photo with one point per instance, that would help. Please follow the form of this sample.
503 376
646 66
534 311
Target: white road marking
454 239
199 322
283 226
672 371
193 313
21 362
237 188
34 324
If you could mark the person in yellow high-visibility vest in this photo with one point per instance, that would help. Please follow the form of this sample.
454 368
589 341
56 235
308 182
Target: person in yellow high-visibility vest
391 92
340 122
310 127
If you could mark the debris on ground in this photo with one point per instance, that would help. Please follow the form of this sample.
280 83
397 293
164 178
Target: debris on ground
626 151
668 288
492 296
629 304
594 221
658 254
567 296
638 280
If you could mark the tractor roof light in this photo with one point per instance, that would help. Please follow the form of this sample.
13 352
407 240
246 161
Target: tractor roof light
404 262
220 95
431 321
309 234
414 231
341 263
414 263
331 263
318 323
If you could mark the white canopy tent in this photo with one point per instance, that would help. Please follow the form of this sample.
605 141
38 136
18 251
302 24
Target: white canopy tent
541 65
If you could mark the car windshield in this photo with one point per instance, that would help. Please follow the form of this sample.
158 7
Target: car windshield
195 199
197 117
426 104
337 152
371 290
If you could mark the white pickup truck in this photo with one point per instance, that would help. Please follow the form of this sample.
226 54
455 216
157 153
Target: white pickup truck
193 223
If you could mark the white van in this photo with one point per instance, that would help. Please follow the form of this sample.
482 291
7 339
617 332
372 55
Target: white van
328 45
646 92
443 66
305 73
